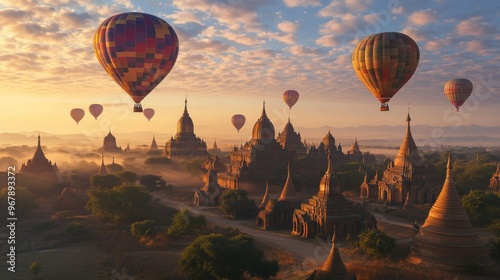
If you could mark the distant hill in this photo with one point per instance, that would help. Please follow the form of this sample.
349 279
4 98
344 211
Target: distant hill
385 136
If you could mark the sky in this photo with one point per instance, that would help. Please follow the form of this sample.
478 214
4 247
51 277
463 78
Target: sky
234 54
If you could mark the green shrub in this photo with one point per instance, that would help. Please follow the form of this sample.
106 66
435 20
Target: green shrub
142 229
376 243
184 222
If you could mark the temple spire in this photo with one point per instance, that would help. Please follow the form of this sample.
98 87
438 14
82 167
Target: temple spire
265 199
102 170
186 106
288 192
39 145
264 109
334 267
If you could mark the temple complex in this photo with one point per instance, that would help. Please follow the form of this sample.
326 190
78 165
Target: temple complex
40 167
447 239
277 213
355 154
291 141
210 193
333 267
261 158
495 179
109 145
330 210
185 144
404 178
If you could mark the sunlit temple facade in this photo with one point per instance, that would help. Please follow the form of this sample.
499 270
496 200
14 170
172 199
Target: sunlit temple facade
40 167
185 144
406 179
495 179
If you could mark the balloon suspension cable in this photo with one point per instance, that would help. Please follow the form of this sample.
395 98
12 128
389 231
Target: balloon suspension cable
138 108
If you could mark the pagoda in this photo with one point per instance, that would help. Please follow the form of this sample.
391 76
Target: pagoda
447 239
40 167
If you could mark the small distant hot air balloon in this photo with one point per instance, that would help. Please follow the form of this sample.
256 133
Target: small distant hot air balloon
95 110
77 114
290 97
457 91
137 50
149 113
384 62
238 121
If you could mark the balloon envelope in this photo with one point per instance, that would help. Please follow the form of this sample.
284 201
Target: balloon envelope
95 110
290 97
457 91
238 121
384 62
149 113
77 114
137 50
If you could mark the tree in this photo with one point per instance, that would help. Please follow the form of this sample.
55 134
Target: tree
142 228
482 207
237 204
103 182
152 182
127 177
376 243
184 222
119 203
35 268
218 256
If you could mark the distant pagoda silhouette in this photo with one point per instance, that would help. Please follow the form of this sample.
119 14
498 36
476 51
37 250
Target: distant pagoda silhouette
40 167
447 239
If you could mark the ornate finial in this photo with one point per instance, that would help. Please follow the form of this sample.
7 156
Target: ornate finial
448 166
39 140
113 160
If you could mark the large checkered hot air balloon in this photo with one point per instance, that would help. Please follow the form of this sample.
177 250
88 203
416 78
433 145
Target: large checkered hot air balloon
384 62
137 50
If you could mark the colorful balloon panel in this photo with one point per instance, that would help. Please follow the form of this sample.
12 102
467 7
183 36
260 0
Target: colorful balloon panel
290 97
149 113
384 62
137 50
238 121
95 110
458 91
77 114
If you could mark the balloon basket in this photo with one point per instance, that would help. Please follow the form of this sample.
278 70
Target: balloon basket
137 108
384 107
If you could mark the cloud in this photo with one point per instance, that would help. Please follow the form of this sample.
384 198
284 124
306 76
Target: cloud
301 3
299 50
475 26
288 26
423 17
327 41
183 17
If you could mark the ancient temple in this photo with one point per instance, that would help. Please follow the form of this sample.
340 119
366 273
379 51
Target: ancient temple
215 149
185 144
330 210
261 158
210 193
333 268
40 167
109 145
153 146
127 149
355 154
102 170
291 141
447 239
406 173
495 179
278 213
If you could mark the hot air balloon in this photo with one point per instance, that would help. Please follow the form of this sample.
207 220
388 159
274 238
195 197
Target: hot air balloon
77 114
384 62
457 91
290 97
137 50
95 110
149 113
238 121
